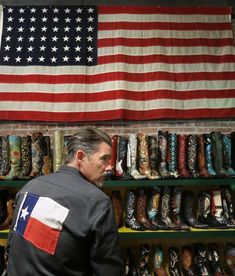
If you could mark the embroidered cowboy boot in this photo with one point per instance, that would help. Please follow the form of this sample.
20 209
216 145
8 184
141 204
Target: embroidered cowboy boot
158 261
132 145
4 155
172 155
217 218
182 156
154 209
144 260
47 159
176 209
226 142
130 219
162 146
117 207
203 210
229 257
143 154
200 260
214 259
217 153
37 154
187 261
121 164
174 269
26 154
166 210
209 163
153 156
141 214
15 158
203 172
192 155
58 149
228 207
188 200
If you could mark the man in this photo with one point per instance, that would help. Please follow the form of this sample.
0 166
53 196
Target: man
63 223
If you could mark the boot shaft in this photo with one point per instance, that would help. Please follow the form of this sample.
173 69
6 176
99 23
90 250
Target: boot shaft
202 157
192 155
172 154
182 156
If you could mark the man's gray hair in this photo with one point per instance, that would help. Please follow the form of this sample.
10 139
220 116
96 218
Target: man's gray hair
88 140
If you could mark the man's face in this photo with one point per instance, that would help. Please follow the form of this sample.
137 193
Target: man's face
96 166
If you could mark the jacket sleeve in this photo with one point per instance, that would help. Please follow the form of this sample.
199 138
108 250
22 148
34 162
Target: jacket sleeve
105 256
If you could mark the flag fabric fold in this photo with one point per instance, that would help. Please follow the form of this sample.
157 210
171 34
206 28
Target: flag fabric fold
85 63
40 221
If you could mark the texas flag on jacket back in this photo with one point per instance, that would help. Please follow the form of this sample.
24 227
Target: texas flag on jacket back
40 221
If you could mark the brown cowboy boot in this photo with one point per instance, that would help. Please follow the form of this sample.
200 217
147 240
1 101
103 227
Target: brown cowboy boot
117 207
162 146
182 156
10 209
153 156
144 166
26 154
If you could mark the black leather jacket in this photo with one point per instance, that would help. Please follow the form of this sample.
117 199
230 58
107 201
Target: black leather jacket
88 243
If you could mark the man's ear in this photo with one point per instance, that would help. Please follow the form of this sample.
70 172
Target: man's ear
80 154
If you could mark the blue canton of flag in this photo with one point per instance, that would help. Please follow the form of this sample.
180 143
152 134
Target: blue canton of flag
49 35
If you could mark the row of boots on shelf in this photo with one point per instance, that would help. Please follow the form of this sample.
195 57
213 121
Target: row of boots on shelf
195 259
171 208
171 155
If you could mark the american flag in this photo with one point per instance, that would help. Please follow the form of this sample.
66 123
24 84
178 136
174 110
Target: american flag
142 63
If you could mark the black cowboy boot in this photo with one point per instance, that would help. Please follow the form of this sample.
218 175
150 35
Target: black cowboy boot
172 154
3 205
188 200
144 258
203 172
141 210
192 155
208 149
132 269
162 147
174 269
130 220
232 136
200 260
176 209
214 259
227 153
26 154
217 153
228 207
154 209
4 155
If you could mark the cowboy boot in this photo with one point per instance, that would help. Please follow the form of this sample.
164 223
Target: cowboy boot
132 269
58 149
174 269
37 154
226 142
153 156
232 137
47 160
3 205
132 145
15 158
144 260
200 260
172 154
162 147
154 209
208 213
209 164
10 209
229 257
166 209
158 261
4 155
188 199
192 155
228 207
26 155
176 209
203 172
141 210
130 220
117 207
187 261
217 153
214 259
143 154
121 164
182 157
